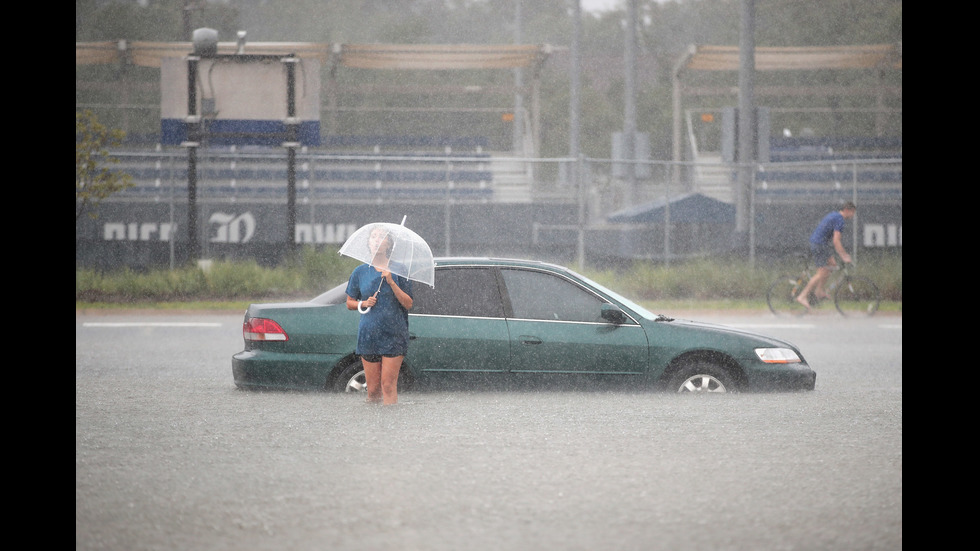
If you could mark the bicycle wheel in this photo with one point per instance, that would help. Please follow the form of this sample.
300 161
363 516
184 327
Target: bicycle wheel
857 296
781 296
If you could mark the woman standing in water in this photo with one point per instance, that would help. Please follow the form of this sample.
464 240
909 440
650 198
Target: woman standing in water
384 300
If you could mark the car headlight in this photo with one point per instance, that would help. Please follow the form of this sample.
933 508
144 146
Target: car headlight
777 355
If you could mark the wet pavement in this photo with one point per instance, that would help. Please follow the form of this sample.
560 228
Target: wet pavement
170 455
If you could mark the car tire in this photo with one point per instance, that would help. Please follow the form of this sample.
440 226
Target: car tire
701 378
350 378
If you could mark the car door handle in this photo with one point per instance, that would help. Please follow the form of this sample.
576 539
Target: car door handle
530 339
412 337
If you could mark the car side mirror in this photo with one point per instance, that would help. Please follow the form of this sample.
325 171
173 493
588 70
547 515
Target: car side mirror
613 314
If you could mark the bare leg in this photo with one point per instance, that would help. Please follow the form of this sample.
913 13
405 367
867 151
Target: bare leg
372 376
816 282
389 378
820 291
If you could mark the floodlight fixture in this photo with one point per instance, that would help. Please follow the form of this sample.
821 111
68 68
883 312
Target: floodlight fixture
205 42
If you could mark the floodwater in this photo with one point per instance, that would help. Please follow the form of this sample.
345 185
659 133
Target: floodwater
170 455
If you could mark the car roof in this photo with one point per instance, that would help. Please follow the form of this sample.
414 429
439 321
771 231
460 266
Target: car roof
494 261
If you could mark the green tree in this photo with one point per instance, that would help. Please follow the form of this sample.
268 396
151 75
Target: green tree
155 20
94 179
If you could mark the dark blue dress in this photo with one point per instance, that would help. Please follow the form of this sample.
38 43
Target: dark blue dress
383 330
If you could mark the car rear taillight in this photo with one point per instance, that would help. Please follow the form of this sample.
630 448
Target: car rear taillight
262 329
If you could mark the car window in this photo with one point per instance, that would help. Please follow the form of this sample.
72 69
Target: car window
336 295
460 292
543 296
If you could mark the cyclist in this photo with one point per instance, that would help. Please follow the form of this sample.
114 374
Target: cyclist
824 242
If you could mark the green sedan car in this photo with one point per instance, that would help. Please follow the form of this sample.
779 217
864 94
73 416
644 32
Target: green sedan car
491 321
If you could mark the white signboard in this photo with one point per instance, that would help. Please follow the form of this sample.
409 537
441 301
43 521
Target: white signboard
242 100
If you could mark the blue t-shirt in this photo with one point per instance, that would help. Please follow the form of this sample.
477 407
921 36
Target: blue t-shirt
384 329
824 233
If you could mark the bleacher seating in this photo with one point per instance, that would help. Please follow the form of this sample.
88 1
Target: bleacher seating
831 167
422 167
842 148
821 169
471 143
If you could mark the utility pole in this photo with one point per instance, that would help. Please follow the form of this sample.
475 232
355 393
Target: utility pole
747 133
518 131
629 102
575 169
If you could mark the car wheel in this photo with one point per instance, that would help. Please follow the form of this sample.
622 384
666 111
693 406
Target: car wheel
351 379
702 377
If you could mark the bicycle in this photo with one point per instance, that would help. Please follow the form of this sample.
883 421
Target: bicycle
854 295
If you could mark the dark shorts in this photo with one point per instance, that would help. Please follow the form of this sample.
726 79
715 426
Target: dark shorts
820 254
376 358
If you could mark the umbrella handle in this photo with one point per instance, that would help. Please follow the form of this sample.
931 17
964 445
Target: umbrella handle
368 309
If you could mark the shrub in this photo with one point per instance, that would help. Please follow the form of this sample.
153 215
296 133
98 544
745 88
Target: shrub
311 272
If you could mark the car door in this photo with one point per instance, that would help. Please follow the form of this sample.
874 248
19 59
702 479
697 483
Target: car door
556 326
459 325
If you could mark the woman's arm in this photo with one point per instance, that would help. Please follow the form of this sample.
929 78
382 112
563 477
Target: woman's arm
403 298
352 304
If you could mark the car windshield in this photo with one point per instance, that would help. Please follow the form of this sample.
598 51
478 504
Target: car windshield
625 301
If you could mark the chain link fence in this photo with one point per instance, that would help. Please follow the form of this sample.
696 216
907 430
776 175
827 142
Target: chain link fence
473 202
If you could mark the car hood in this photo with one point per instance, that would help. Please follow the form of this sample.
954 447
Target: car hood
727 331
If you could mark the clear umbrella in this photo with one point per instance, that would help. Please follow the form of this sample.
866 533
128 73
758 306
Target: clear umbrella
404 253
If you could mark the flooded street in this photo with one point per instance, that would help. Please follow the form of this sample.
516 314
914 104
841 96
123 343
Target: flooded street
170 455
